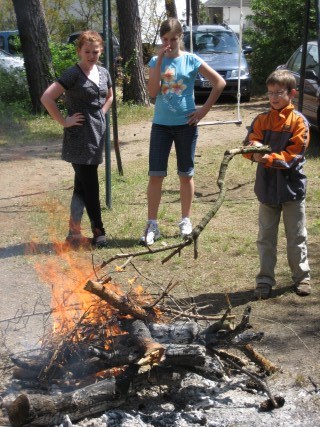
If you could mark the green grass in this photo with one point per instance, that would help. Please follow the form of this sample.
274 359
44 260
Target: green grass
227 259
227 246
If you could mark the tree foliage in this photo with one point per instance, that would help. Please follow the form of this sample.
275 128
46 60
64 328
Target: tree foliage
278 31
7 15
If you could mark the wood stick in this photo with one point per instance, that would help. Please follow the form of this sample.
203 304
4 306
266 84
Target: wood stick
193 316
259 359
262 384
121 302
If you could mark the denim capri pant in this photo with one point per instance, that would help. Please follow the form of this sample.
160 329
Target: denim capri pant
161 139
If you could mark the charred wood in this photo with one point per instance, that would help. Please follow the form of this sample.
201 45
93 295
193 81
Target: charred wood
44 410
141 336
184 355
119 357
177 332
210 369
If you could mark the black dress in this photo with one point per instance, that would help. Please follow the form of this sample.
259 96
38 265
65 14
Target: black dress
84 144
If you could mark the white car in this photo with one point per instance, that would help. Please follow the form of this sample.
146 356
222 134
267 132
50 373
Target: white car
9 62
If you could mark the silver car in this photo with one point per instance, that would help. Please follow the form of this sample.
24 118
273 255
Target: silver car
9 62
311 92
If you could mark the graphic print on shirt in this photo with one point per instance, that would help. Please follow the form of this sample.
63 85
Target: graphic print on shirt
170 84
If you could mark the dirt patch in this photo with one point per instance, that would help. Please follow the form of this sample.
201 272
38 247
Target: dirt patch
291 324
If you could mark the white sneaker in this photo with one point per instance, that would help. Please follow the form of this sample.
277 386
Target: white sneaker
152 233
185 227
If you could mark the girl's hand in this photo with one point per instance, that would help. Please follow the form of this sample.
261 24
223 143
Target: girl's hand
163 50
195 117
76 119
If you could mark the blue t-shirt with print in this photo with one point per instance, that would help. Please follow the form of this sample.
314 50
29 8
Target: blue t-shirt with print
175 100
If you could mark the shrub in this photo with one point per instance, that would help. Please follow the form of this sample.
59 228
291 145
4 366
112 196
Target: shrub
63 56
14 87
277 32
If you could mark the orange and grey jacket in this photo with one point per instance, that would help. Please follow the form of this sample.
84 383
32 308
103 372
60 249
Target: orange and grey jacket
282 178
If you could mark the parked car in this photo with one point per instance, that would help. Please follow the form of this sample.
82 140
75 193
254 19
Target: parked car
218 46
9 62
311 92
7 40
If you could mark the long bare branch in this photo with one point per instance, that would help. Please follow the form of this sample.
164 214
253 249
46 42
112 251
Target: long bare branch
194 235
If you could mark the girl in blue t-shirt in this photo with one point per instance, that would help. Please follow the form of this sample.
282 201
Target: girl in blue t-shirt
171 81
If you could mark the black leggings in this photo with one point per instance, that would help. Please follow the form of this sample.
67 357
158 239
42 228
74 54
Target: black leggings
86 194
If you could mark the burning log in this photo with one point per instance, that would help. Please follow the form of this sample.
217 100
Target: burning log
120 355
123 303
174 355
144 352
152 350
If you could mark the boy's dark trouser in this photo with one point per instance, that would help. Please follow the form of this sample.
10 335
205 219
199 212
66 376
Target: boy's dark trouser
85 194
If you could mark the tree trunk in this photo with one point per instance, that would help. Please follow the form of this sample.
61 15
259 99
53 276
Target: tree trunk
193 15
134 82
195 12
33 34
171 9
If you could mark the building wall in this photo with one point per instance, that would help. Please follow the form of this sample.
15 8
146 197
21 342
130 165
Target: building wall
229 15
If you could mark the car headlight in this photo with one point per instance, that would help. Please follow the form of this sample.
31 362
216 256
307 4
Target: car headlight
243 72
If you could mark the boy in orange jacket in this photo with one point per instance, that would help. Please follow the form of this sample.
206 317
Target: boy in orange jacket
280 184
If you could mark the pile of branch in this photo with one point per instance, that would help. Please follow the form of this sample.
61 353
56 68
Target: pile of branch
94 376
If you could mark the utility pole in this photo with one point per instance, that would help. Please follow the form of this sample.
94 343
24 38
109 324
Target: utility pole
105 14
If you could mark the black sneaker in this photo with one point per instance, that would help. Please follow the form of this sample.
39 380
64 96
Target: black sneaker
99 238
100 242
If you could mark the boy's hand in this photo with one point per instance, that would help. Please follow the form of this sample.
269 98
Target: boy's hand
260 158
256 144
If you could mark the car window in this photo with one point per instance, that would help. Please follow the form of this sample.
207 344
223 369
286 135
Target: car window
294 63
1 42
218 41
312 60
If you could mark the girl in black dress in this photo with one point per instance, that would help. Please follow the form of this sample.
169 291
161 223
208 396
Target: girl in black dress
88 96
